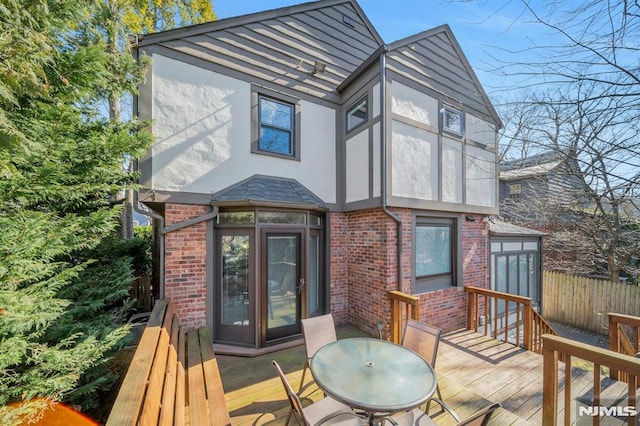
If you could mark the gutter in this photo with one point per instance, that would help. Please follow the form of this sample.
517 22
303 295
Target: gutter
383 163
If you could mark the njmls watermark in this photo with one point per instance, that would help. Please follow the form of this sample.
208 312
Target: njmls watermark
607 410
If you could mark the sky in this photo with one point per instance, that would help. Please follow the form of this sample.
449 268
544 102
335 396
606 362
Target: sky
481 27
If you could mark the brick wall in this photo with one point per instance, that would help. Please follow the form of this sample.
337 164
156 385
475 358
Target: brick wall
339 290
371 269
186 265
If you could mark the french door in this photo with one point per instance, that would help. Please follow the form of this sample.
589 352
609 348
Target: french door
235 298
282 282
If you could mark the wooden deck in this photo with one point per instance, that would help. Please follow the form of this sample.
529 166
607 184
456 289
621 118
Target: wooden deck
473 371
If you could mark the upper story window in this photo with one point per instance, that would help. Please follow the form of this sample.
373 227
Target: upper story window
357 115
276 126
452 120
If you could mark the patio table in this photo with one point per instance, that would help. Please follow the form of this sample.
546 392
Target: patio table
375 376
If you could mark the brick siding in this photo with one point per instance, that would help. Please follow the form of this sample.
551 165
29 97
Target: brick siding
186 265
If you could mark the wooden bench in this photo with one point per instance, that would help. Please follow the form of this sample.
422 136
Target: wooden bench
173 378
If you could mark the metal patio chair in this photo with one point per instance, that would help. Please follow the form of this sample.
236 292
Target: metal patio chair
317 332
417 417
326 411
423 339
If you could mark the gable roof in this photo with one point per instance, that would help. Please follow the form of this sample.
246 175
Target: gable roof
278 47
434 56
534 165
261 189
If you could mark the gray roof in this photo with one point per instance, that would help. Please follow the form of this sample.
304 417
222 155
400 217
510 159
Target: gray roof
268 189
498 227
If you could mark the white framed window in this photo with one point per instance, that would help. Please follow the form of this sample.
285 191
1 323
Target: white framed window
452 120
357 115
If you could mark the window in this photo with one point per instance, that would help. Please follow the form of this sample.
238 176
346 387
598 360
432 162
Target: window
434 256
357 115
515 190
452 120
276 127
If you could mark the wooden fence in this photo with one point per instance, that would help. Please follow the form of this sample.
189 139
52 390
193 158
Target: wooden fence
585 302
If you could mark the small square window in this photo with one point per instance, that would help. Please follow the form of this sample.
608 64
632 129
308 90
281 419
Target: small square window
357 115
515 190
276 127
452 120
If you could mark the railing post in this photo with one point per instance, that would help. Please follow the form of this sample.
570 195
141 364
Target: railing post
528 326
549 387
471 314
614 342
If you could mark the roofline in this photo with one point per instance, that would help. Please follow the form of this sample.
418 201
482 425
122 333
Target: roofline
263 203
172 34
371 60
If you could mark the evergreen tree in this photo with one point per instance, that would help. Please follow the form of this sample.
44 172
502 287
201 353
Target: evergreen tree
63 280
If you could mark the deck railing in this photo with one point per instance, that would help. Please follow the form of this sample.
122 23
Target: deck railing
554 348
620 342
518 317
403 306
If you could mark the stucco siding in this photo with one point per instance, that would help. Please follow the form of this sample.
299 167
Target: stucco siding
415 105
481 177
358 167
414 162
203 135
480 131
452 171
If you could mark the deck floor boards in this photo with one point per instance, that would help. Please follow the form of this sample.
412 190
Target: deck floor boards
473 371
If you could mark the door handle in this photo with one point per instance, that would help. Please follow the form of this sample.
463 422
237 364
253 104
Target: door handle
301 284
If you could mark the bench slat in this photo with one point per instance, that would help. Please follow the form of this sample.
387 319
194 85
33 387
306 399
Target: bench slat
151 407
171 380
127 406
218 410
195 379
181 386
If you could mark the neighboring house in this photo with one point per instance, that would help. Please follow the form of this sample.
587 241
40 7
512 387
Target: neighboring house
545 192
541 189
303 166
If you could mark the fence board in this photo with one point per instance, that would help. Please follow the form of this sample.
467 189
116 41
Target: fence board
584 302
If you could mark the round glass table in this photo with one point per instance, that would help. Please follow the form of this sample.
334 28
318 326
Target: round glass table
373 375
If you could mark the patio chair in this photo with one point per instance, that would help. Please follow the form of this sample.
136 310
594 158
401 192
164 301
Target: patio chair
423 339
326 411
417 417
317 332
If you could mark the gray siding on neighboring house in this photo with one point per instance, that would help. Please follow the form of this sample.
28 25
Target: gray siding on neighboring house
433 58
268 48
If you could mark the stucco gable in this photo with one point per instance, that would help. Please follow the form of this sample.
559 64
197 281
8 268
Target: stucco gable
278 47
435 59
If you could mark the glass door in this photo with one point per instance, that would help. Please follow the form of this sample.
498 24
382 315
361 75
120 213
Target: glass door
282 282
234 315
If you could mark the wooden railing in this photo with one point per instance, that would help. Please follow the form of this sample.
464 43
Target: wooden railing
620 342
519 316
554 348
403 306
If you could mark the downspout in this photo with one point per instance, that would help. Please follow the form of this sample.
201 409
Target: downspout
383 162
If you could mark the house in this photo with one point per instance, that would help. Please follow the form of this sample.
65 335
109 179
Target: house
303 166
536 189
545 192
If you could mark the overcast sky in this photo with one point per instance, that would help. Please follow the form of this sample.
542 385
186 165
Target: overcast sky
480 26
